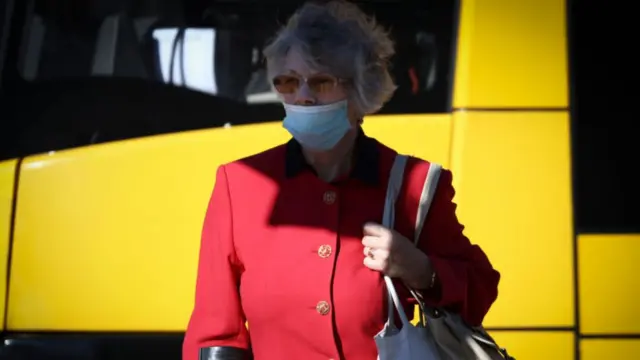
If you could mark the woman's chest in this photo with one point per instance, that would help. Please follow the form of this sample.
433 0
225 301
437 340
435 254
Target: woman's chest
303 256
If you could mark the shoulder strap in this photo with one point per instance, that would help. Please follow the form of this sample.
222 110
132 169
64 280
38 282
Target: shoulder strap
426 198
396 177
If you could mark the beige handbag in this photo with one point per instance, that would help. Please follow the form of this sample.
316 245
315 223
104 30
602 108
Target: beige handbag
444 330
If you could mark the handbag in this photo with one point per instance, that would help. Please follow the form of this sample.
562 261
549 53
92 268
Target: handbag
438 334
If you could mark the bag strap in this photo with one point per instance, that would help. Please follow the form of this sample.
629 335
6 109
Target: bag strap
396 178
426 198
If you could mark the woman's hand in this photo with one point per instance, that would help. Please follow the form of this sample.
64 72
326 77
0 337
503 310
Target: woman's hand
389 252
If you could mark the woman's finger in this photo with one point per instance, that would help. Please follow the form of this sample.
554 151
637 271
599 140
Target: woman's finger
368 252
373 264
371 241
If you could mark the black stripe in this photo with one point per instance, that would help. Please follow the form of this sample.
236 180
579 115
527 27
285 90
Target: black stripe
607 230
510 109
12 224
610 336
532 328
91 346
574 173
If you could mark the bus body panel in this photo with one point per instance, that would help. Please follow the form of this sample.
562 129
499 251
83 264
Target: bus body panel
7 185
513 184
609 265
512 54
126 219
597 349
534 344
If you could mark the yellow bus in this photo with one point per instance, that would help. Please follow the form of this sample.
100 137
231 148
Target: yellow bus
116 114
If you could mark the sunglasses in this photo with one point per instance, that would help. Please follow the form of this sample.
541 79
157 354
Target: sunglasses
289 84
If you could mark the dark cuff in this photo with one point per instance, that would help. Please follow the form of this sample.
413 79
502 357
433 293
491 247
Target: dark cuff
224 353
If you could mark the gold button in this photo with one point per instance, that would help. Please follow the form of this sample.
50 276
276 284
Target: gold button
323 308
329 197
324 251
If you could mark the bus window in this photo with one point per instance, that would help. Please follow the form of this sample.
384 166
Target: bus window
607 191
192 65
204 60
421 66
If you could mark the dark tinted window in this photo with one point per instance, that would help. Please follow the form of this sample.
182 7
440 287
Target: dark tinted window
96 71
606 155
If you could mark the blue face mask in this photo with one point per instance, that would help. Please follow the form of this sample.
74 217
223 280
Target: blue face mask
317 127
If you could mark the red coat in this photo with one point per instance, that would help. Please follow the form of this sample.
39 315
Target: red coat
282 250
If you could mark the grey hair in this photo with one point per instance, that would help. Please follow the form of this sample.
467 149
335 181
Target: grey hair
338 38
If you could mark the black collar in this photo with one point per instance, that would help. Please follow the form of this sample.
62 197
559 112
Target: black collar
365 167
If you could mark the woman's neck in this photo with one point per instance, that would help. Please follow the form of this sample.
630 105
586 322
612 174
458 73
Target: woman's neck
334 163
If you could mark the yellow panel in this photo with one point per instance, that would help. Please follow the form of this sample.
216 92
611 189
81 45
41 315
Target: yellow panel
512 175
424 136
7 179
537 345
609 300
107 236
512 54
609 349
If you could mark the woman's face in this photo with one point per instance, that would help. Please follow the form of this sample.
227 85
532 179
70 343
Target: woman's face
306 86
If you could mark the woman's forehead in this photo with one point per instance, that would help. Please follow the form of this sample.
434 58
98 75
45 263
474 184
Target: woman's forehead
295 63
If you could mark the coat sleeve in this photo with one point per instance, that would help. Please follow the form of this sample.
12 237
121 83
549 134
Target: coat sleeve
465 280
217 320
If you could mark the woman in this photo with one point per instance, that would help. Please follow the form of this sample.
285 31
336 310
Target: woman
291 241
